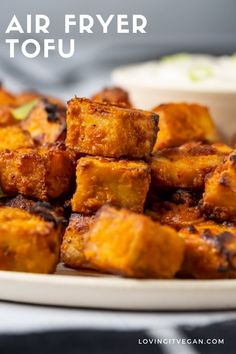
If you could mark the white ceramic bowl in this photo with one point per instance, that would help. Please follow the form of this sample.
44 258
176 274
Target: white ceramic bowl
220 101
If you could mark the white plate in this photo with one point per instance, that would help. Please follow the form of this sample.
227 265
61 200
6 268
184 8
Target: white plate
88 289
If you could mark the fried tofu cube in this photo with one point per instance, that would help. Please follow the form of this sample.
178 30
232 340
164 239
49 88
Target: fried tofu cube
120 183
72 249
27 243
13 137
180 123
186 166
219 199
6 98
108 130
6 117
113 95
46 122
177 216
52 212
210 250
44 173
125 243
178 210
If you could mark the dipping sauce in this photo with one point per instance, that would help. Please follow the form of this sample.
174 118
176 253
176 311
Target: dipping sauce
183 71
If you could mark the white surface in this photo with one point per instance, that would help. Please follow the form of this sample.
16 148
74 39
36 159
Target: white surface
75 290
18 318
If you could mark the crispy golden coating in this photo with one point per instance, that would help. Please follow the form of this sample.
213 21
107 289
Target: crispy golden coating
6 98
108 130
7 103
46 122
178 210
175 215
125 243
45 210
219 199
186 166
120 183
182 122
113 95
72 249
27 243
37 122
45 173
6 117
210 251
13 137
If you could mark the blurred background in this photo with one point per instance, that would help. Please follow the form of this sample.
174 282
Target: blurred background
203 26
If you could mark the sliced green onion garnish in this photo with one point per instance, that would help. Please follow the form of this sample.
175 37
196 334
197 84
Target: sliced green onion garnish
175 57
233 56
22 112
200 73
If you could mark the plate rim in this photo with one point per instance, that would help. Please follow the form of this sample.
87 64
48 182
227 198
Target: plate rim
114 280
116 293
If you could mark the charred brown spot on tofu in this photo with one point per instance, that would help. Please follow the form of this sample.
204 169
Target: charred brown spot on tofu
51 110
46 122
210 250
177 210
186 166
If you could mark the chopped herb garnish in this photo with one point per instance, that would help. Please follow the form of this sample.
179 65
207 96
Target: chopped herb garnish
175 57
234 56
22 112
200 73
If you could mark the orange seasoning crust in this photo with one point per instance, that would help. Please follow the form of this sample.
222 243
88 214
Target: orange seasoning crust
125 243
120 183
6 117
6 98
219 199
44 173
46 122
210 250
186 166
72 249
175 215
113 95
180 123
110 131
27 242
13 137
